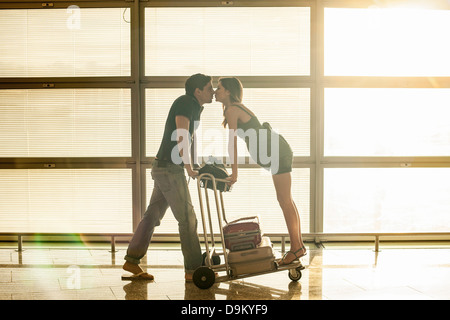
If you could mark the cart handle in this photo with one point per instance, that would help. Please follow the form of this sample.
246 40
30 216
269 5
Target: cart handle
209 176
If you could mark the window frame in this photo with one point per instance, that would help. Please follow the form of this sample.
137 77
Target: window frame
138 82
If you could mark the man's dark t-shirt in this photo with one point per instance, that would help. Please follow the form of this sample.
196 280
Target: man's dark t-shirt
187 106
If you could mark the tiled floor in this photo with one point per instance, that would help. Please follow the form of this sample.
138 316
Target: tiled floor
333 272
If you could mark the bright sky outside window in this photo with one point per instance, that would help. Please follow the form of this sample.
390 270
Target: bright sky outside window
386 199
387 122
387 42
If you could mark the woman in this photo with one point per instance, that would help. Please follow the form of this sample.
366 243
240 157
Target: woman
239 120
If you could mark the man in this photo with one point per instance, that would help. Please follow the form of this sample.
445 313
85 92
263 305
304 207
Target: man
170 186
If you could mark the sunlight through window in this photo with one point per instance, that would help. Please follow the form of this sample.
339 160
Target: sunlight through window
386 42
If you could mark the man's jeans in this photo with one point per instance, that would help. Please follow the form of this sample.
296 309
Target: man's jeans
170 190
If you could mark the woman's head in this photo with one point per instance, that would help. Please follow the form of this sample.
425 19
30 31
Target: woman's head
229 91
229 88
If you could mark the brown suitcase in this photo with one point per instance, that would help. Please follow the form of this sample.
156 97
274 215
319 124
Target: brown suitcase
260 259
242 234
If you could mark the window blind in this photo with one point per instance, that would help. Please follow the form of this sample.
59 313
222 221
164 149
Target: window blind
227 41
286 109
65 43
253 194
65 123
66 200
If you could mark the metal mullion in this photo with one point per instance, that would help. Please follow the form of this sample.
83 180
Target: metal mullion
136 154
58 4
434 4
51 85
391 162
137 106
313 42
385 82
316 128
314 73
357 4
143 160
249 81
318 115
68 80
64 163
319 184
230 3
98 2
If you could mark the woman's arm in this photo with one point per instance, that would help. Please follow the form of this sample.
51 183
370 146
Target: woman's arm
231 114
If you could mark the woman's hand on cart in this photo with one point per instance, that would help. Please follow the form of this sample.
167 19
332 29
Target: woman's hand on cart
231 180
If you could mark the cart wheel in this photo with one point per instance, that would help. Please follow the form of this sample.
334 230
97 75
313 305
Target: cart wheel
215 260
204 277
295 274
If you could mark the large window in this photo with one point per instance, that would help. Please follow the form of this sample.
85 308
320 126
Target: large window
66 139
257 42
360 90
386 108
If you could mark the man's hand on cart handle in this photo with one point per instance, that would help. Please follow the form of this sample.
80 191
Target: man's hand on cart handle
193 173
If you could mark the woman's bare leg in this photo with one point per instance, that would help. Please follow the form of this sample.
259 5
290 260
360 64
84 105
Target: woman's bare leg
283 184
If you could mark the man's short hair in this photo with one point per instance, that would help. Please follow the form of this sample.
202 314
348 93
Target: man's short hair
195 81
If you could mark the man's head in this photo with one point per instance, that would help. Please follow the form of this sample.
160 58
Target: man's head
200 87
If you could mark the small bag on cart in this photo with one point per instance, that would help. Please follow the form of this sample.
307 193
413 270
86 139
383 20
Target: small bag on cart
242 234
219 172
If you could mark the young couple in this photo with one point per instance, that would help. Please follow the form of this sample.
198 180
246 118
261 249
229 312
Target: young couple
170 185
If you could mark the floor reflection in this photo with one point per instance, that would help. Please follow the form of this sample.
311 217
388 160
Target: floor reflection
230 290
239 290
340 272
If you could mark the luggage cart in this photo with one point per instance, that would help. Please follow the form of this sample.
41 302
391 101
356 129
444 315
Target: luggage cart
208 274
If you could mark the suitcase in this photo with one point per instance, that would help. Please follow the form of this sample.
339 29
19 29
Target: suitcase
242 234
262 251
260 259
